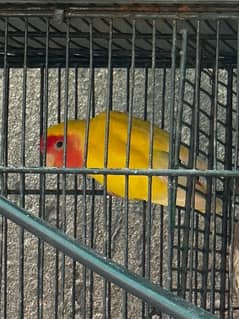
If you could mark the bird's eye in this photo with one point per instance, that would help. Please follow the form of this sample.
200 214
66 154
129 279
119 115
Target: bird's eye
59 145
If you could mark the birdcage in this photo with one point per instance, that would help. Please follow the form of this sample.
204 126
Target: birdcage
69 247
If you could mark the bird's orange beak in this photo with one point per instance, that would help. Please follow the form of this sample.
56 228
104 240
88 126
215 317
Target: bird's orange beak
50 160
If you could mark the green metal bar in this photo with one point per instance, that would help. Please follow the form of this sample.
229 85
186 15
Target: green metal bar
154 11
121 171
171 160
160 298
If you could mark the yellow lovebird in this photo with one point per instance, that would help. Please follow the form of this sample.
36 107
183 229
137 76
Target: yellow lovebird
117 144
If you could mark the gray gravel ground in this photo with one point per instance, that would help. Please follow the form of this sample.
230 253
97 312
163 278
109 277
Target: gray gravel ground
32 182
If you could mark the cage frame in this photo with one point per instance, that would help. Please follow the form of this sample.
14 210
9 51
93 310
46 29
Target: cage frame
135 12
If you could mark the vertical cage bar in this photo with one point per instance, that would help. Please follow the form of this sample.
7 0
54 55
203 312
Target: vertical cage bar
127 162
107 198
92 215
193 236
86 142
5 102
22 176
188 237
89 102
179 115
234 190
207 222
144 205
3 178
64 182
193 160
171 180
127 88
179 244
227 193
150 165
58 205
207 249
146 86
213 206
197 264
74 273
43 131
164 79
179 111
42 182
161 230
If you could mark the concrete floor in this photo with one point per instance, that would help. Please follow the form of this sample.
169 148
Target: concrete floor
32 182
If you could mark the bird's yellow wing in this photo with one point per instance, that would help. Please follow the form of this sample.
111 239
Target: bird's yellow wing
139 158
140 135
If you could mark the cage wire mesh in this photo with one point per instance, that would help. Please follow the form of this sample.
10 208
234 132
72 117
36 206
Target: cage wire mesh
179 72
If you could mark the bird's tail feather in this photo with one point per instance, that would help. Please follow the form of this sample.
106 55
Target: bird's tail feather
200 196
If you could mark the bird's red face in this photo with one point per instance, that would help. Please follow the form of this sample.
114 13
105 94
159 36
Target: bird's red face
55 151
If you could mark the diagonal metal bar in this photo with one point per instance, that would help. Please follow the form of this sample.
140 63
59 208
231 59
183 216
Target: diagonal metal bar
160 298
